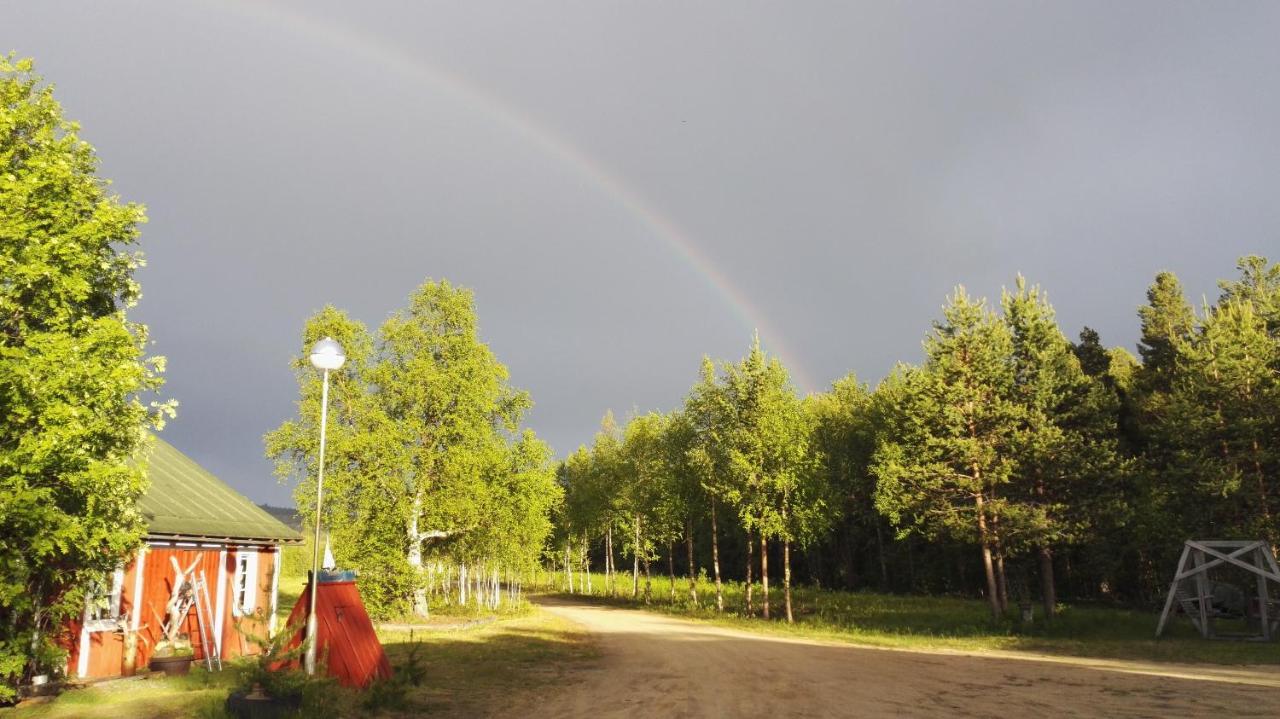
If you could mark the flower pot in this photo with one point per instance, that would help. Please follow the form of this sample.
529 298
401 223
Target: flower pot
172 666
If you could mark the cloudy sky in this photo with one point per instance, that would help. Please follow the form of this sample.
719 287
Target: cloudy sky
629 186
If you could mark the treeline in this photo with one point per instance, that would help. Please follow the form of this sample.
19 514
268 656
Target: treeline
432 490
1012 463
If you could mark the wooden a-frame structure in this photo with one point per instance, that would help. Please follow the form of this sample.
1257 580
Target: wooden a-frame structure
1196 600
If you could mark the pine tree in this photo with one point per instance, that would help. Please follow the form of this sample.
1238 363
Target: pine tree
944 461
1167 318
1093 357
1065 446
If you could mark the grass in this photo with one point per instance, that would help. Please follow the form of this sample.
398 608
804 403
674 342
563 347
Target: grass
199 694
466 671
470 672
954 623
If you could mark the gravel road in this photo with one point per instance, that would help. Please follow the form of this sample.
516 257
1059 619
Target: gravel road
658 666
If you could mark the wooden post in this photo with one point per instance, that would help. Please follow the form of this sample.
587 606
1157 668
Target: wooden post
1264 617
1202 587
1173 591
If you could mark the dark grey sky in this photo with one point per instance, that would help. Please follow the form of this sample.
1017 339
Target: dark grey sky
840 167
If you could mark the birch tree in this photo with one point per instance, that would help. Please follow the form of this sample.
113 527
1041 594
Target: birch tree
427 453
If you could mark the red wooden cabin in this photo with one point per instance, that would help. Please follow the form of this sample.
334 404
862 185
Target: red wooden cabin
191 515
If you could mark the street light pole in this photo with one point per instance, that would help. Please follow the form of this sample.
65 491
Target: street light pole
326 354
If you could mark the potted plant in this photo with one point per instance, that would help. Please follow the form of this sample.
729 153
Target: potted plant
173 656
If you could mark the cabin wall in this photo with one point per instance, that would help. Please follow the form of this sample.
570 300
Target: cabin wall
146 583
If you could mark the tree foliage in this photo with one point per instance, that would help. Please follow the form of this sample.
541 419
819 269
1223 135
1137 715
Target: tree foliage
1078 463
73 375
426 462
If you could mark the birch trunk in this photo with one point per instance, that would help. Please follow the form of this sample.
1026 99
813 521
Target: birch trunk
635 554
693 572
750 562
609 585
671 571
415 559
786 577
586 564
715 558
764 573
648 581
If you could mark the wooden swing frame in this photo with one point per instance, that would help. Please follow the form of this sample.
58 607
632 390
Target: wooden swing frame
1198 557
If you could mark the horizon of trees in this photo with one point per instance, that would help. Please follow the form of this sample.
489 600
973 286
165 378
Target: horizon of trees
1011 463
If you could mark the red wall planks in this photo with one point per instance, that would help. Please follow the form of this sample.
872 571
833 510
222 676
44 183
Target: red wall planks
106 648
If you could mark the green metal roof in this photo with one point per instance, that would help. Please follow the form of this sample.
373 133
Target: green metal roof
185 500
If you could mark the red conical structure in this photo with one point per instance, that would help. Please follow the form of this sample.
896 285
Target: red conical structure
351 649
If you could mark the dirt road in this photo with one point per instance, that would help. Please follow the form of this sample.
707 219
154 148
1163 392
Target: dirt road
658 666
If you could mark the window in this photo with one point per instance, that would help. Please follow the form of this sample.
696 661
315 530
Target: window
244 588
102 603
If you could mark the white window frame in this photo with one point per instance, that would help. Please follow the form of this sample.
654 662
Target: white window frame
111 620
244 584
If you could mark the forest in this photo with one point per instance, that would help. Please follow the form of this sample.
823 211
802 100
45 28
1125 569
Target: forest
1012 463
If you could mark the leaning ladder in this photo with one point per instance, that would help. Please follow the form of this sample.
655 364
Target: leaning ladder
200 588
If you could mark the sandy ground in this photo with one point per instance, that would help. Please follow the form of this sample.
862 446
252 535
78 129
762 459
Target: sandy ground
652 665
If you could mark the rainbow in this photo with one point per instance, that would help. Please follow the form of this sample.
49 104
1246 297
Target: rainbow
548 141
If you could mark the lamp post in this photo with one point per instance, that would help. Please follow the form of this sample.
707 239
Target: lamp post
326 355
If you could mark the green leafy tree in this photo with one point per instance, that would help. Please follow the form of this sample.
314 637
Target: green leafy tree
427 438
706 414
844 439
365 507
687 501
645 471
73 372
767 452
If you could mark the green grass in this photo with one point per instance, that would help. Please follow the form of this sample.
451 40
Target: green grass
472 672
467 673
954 623
199 694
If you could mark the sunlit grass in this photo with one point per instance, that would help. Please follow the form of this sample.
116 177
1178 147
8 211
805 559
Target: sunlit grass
467 671
200 694
483 667
931 622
